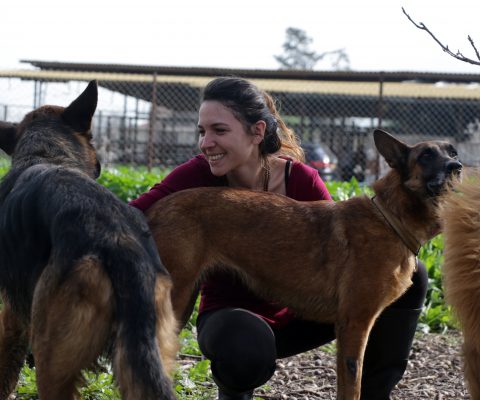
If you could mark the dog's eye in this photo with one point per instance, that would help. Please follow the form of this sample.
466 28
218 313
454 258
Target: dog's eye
452 152
426 155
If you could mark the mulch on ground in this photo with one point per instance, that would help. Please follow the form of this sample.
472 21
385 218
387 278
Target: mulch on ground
434 372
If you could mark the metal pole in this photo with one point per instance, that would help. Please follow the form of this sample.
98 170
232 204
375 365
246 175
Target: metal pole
35 95
135 132
153 118
380 102
380 118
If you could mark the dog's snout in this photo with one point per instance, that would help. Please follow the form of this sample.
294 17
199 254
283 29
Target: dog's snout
454 167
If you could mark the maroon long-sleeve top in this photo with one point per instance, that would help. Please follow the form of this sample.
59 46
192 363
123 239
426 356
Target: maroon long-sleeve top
221 289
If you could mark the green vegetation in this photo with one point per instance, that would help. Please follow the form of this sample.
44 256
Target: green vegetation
192 378
128 182
4 166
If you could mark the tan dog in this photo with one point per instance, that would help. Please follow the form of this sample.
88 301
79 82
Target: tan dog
461 271
341 263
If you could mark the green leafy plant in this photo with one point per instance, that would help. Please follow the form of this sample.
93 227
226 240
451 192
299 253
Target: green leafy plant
436 316
27 384
193 381
4 166
128 182
340 190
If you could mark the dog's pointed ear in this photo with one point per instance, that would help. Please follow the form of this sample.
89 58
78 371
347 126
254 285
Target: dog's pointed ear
80 112
8 137
393 150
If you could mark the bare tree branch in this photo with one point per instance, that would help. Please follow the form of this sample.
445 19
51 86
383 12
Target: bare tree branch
458 55
473 45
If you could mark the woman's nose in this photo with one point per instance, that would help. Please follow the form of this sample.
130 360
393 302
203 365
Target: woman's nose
206 141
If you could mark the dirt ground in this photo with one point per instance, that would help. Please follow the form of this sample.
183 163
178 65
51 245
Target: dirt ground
434 373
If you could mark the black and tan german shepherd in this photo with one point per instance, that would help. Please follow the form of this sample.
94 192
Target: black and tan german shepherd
341 263
79 271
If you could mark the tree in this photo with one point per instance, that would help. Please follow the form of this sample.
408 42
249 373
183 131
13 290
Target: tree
298 55
458 55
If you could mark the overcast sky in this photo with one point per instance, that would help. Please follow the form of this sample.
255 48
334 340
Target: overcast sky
236 34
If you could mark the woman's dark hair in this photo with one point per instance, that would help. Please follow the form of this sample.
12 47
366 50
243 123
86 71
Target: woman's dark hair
250 104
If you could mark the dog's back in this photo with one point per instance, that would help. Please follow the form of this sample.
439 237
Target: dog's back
78 265
461 271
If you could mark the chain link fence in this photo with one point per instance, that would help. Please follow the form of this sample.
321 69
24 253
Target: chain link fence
149 119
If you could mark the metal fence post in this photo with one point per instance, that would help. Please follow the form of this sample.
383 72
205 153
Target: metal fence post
153 118
379 118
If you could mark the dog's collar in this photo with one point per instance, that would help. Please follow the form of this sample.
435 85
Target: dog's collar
407 238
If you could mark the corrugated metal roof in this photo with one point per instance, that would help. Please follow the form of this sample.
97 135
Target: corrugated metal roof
354 88
59 75
351 76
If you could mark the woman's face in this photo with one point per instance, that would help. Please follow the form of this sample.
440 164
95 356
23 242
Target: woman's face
224 140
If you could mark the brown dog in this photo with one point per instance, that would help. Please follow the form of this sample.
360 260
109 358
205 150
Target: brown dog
79 271
341 262
461 271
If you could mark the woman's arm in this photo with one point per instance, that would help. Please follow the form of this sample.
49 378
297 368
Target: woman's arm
305 184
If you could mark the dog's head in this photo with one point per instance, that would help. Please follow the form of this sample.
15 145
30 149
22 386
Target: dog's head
56 134
425 168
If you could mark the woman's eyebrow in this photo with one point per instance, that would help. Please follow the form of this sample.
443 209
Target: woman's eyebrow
214 125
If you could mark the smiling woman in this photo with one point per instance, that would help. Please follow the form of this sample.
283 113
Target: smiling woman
239 130
244 143
221 139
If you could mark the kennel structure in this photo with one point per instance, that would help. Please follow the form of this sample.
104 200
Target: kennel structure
147 115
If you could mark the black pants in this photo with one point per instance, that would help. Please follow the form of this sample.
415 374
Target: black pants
243 348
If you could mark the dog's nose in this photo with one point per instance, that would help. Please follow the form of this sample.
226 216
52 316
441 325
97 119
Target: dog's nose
454 166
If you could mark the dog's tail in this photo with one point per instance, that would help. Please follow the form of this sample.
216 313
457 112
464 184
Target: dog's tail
146 342
461 271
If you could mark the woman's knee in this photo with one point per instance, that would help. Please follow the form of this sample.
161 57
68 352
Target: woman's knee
241 347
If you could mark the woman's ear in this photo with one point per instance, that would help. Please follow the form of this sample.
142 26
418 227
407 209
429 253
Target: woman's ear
259 131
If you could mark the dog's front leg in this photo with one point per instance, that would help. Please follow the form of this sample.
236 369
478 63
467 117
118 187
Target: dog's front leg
13 349
352 336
